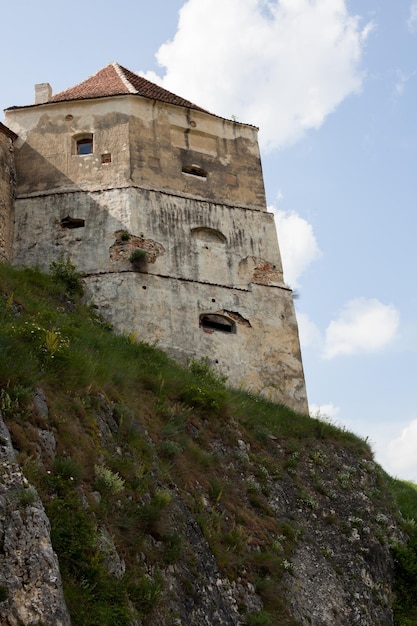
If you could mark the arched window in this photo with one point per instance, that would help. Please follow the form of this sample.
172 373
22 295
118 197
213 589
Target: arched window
208 235
214 321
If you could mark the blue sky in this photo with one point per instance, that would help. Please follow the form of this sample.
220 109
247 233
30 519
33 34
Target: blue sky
332 85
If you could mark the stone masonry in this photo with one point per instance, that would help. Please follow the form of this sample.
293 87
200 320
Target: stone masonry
161 206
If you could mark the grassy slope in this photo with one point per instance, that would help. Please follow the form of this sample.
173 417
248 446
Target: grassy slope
128 423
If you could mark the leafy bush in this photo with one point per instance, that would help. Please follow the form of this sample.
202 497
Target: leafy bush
138 256
63 271
108 481
145 593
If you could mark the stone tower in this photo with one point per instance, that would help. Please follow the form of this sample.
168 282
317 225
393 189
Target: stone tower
161 206
7 190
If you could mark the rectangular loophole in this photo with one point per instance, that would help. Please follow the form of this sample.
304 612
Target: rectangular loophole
194 170
213 321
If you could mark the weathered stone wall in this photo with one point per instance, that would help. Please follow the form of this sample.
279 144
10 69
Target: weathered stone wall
186 188
199 240
7 186
202 258
263 353
149 144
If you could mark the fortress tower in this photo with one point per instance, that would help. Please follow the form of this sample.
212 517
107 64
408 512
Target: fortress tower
7 191
161 206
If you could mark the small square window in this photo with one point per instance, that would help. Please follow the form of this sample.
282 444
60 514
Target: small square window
85 145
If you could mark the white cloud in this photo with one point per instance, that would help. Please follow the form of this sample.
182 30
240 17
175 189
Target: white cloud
364 325
328 412
401 453
283 65
400 84
402 80
297 243
307 330
412 19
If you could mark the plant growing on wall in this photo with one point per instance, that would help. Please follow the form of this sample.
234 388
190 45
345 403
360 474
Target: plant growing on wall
138 258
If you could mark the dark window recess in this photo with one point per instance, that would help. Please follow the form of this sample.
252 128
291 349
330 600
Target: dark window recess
106 158
194 170
72 222
85 145
212 321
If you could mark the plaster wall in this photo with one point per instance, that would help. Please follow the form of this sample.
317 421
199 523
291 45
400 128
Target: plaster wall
262 355
186 188
150 144
192 239
7 185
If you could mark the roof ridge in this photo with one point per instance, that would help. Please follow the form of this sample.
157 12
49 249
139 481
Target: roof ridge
121 73
116 80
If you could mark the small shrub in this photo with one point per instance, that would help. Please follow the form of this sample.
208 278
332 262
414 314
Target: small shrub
26 496
64 272
260 618
145 593
125 236
169 449
108 481
215 489
138 256
151 514
8 405
66 468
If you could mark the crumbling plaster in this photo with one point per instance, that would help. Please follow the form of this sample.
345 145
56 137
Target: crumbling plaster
138 134
210 244
175 222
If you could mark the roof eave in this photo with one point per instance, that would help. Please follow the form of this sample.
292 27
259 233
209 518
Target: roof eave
129 95
8 132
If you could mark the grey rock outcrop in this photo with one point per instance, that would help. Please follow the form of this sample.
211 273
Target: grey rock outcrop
30 581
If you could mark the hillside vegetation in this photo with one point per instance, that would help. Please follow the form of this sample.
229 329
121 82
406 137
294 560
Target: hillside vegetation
174 500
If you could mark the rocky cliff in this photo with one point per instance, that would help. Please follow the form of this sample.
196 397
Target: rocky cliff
167 498
30 579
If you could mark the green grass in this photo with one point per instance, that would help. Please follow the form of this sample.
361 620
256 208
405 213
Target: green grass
405 555
129 425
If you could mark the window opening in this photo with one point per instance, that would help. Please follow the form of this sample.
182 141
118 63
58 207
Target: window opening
85 145
212 321
72 222
106 158
194 170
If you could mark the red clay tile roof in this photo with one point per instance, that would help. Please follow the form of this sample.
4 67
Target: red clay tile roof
115 80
